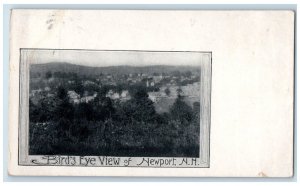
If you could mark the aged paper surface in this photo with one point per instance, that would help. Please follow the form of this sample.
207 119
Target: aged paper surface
230 71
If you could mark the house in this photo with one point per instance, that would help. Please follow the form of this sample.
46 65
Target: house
112 83
113 95
88 82
87 99
47 88
74 97
124 94
150 83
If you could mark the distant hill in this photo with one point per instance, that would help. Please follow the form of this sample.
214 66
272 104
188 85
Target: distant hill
117 70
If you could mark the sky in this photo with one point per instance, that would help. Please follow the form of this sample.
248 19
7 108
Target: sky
112 58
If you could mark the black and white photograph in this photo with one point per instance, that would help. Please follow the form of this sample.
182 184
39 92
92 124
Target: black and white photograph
117 103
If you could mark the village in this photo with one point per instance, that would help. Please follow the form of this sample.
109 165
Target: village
162 88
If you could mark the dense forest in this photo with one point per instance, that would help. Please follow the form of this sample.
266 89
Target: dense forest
111 127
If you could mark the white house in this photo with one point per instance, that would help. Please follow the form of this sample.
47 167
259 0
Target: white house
124 94
113 95
74 97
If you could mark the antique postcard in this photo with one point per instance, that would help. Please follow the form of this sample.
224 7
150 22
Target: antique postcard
151 93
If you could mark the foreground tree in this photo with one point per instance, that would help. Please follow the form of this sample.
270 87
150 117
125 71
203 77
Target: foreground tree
181 111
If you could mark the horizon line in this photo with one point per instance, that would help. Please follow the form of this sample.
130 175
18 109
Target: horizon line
113 65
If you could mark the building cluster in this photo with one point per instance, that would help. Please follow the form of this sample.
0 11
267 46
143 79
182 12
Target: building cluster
148 79
75 98
171 82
